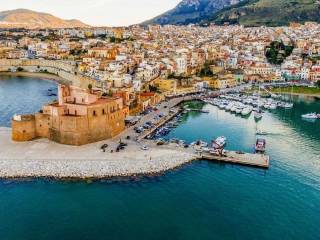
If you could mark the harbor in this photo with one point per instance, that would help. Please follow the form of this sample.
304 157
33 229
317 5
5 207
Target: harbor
171 177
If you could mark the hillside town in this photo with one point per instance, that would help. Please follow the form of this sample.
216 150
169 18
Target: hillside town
143 65
121 58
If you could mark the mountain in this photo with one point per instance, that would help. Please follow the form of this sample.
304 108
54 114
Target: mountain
268 12
23 18
191 11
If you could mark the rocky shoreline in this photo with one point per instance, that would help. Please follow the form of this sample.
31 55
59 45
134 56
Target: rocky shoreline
45 159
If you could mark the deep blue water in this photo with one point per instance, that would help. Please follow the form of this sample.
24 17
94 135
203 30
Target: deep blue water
201 200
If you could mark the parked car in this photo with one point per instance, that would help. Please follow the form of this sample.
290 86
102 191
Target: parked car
144 148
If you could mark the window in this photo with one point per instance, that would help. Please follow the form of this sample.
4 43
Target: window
94 113
103 112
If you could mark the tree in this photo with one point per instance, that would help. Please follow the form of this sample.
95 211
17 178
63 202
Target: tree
153 88
318 83
206 71
277 52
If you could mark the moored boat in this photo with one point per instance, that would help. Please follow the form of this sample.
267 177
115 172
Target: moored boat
246 111
257 115
310 116
220 142
260 146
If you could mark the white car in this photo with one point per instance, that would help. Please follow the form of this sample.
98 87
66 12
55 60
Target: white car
144 148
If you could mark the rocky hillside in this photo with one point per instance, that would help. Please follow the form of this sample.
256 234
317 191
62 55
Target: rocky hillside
30 19
192 11
269 12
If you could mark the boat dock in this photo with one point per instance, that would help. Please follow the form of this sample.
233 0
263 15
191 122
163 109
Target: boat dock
248 159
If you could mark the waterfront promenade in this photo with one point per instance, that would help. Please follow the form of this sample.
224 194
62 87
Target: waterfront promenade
43 158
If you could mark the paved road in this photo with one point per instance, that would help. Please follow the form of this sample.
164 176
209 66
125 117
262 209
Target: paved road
164 108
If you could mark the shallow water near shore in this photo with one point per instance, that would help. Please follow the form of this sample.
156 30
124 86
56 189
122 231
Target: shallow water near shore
201 200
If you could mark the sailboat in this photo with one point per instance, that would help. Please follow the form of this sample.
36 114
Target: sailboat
290 104
258 113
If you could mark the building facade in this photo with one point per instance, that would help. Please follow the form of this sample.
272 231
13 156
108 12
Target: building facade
79 117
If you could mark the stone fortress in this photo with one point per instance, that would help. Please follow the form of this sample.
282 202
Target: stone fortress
80 116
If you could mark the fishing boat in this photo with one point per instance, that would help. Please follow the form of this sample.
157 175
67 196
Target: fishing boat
260 146
310 116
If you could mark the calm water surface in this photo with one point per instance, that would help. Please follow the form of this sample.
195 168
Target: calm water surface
199 201
20 95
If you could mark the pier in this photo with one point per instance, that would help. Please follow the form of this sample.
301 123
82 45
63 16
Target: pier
247 159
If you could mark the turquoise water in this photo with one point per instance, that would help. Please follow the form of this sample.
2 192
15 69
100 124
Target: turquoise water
20 95
201 200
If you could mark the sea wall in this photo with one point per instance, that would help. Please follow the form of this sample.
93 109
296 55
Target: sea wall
65 70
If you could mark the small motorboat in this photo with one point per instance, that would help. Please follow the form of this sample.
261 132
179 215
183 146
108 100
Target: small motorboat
246 111
288 105
220 142
310 116
257 115
262 133
260 146
238 110
273 106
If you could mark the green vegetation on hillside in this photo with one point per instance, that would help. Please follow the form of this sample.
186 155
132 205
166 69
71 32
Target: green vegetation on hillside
206 71
269 12
277 52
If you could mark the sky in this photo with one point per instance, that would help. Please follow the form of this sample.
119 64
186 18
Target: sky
96 12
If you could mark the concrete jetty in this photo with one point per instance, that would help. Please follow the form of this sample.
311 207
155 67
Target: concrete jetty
248 159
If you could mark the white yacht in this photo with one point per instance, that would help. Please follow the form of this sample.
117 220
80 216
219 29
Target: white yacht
238 110
310 116
229 106
288 105
234 108
220 142
246 111
273 106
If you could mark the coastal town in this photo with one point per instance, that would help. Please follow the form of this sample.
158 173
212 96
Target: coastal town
171 59
120 84
171 119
